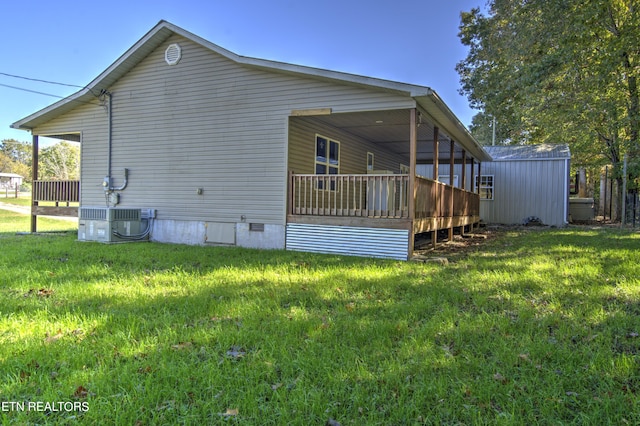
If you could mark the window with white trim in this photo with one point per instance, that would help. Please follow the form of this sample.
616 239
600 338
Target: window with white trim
370 162
327 159
486 187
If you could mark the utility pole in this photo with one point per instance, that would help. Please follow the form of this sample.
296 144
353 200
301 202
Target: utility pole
493 127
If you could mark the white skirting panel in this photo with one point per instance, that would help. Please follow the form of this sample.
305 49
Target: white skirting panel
347 240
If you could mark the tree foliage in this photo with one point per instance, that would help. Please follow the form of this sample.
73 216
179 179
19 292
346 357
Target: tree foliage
60 162
15 157
561 71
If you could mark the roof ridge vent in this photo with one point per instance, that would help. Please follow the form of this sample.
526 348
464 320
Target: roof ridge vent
173 54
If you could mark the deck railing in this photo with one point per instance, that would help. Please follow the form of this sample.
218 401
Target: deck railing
381 196
59 191
377 196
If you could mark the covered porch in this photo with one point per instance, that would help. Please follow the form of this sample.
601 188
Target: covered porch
52 197
430 187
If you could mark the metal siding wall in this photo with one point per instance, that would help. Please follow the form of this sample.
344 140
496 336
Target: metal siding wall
523 189
352 241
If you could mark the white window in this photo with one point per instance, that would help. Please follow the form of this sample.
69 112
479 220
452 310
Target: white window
486 187
404 169
370 161
327 159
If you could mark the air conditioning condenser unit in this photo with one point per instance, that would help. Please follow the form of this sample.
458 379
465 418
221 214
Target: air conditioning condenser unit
114 225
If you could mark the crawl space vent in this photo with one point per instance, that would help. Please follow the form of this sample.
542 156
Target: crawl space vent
173 54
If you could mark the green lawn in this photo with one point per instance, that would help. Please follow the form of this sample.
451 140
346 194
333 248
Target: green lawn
538 327
11 222
20 201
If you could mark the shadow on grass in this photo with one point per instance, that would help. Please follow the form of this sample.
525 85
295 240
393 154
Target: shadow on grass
181 334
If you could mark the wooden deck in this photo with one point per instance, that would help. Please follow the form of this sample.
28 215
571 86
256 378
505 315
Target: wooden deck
380 201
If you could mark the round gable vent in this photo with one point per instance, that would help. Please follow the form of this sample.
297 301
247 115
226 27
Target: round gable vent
173 54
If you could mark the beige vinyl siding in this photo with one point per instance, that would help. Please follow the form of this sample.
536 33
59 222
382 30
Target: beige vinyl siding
353 150
91 121
209 123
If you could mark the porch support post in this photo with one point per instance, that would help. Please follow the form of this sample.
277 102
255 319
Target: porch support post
463 182
479 175
34 178
473 182
434 232
452 184
435 153
463 178
413 149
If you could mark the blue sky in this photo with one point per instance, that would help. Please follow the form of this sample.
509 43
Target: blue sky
72 41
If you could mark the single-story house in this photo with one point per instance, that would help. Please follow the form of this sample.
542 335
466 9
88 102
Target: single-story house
210 147
10 180
526 184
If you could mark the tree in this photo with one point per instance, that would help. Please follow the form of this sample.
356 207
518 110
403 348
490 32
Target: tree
482 129
60 162
558 71
15 157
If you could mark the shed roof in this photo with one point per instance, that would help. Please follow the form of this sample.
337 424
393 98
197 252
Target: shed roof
529 152
10 175
424 96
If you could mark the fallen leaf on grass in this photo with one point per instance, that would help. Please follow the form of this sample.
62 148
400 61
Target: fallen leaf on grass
49 338
181 346
332 422
43 292
632 335
276 386
500 378
145 370
230 412
81 392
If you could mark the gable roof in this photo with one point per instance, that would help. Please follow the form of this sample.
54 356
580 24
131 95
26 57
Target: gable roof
529 152
424 96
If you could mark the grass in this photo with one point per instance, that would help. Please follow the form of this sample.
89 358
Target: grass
15 222
20 201
532 328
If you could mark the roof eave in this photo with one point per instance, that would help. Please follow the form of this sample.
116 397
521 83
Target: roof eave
450 124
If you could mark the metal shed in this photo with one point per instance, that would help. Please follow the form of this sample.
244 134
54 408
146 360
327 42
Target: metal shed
524 182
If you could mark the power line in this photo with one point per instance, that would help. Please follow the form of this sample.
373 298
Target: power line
31 91
41 81
48 94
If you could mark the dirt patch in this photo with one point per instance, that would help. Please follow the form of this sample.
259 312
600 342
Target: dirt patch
461 245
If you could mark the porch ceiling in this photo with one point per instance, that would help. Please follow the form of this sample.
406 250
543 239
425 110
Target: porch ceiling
390 129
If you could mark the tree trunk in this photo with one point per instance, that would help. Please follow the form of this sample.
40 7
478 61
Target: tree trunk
582 183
